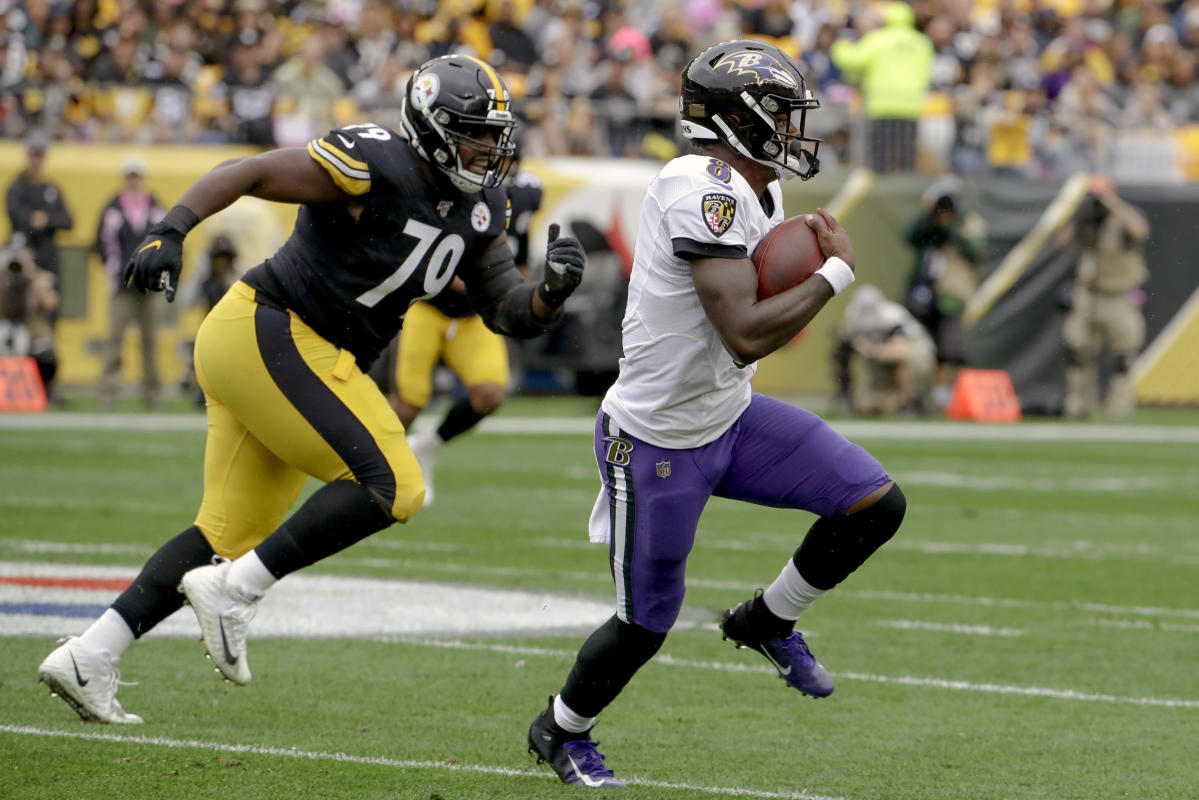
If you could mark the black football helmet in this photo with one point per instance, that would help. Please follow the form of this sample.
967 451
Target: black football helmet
454 100
736 91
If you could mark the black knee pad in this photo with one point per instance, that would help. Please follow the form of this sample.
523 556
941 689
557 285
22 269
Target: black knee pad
1121 363
1073 357
606 662
836 546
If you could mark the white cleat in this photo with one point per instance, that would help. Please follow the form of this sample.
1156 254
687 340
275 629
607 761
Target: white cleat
425 447
86 680
224 613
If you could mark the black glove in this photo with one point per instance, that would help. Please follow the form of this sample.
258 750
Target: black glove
158 259
564 260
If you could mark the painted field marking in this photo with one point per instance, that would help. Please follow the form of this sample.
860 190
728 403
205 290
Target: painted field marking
1080 549
865 429
902 680
1142 625
942 627
602 577
380 761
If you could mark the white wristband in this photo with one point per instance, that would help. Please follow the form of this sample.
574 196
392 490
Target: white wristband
837 273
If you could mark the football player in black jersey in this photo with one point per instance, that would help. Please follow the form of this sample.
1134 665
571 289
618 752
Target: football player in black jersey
447 328
384 220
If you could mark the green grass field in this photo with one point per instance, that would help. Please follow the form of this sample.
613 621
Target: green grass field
1031 632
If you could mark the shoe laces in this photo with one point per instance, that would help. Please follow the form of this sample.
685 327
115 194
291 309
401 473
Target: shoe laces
588 759
795 647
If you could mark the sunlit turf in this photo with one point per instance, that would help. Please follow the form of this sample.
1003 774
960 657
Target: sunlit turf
1067 569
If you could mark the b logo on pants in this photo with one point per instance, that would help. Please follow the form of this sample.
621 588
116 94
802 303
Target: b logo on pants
618 451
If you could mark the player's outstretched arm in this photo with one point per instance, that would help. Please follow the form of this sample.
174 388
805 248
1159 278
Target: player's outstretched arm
514 307
288 175
752 329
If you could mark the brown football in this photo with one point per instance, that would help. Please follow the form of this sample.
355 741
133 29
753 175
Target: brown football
787 256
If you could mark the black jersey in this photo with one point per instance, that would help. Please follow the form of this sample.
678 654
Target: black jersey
352 280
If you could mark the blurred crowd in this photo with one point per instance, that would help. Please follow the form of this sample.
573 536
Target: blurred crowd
1042 88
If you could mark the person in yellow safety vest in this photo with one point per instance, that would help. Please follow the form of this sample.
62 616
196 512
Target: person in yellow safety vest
893 66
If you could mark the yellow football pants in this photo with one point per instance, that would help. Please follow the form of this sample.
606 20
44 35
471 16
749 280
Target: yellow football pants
471 349
283 404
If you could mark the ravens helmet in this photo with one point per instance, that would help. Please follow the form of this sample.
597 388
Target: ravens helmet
737 91
454 100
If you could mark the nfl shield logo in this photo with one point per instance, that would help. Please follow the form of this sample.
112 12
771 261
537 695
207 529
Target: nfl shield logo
663 468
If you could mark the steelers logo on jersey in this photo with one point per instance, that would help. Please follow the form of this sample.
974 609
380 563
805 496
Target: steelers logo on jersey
480 216
718 211
425 90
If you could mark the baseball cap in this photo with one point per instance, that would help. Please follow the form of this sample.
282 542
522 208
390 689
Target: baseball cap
133 165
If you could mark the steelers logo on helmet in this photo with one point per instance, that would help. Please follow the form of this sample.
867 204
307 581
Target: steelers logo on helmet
424 90
457 115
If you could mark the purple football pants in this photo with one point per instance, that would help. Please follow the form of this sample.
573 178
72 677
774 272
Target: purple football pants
775 455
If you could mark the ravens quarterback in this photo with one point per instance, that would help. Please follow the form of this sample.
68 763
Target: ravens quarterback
447 328
384 220
681 424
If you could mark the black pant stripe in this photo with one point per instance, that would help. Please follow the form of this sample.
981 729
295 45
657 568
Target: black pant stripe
322 409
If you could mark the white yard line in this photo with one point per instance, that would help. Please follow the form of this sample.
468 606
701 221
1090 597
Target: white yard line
865 429
942 627
380 761
903 680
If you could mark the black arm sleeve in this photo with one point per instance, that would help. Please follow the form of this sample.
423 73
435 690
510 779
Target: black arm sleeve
503 298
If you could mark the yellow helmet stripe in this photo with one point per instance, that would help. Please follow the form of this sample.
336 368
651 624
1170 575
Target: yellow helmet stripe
501 103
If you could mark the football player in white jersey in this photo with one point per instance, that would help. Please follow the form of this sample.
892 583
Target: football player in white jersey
681 423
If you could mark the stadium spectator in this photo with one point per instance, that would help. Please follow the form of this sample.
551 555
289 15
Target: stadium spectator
1105 304
948 250
681 424
110 71
282 358
28 302
893 66
123 225
308 89
36 207
249 93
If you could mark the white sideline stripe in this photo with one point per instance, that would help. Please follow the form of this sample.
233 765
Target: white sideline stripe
380 761
1142 625
995 483
864 429
1001 602
903 680
920 625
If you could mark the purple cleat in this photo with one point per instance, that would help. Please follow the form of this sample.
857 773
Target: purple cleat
573 756
789 653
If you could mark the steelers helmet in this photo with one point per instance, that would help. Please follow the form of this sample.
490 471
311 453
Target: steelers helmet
453 100
736 91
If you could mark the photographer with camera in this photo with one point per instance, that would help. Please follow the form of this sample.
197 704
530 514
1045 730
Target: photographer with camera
1105 304
947 241
28 301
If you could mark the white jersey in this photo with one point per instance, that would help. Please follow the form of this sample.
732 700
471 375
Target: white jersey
678 386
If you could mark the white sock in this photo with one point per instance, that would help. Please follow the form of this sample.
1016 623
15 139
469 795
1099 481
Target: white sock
110 634
568 720
790 595
249 574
